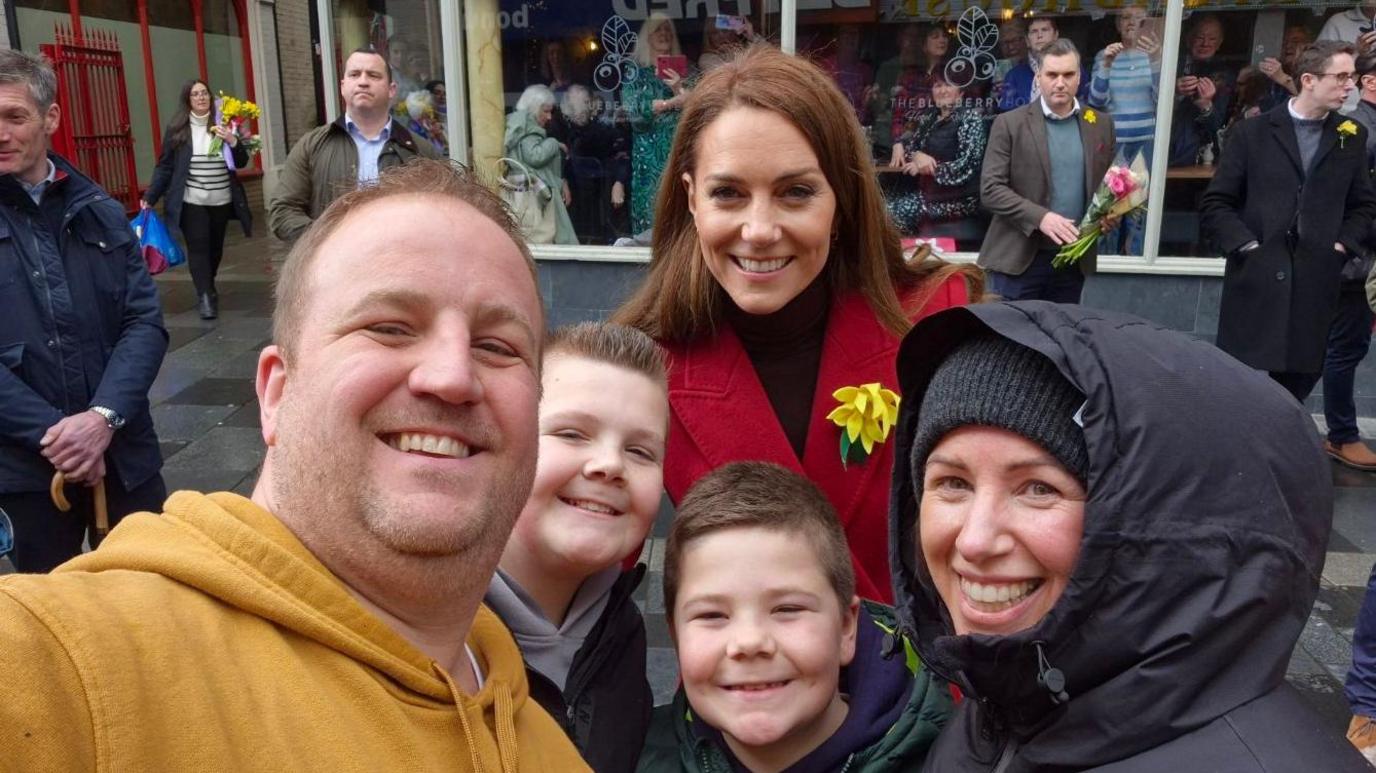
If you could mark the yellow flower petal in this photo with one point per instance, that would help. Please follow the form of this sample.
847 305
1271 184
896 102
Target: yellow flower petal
840 415
867 443
853 426
845 394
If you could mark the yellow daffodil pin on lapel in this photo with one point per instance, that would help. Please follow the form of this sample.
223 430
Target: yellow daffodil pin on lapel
866 416
1346 129
1091 117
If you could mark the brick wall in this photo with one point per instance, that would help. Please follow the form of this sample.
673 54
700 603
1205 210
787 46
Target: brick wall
298 73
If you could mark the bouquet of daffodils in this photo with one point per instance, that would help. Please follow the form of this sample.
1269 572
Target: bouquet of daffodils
235 114
1123 193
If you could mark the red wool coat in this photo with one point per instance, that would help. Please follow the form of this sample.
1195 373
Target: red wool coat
719 413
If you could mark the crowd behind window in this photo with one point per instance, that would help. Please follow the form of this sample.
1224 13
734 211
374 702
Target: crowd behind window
925 91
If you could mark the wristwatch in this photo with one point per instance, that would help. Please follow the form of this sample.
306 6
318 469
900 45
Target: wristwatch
112 420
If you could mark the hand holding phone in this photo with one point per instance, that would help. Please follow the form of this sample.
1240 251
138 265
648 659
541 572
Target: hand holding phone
671 67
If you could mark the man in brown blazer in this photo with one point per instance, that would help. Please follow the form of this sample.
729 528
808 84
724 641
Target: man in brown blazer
1044 162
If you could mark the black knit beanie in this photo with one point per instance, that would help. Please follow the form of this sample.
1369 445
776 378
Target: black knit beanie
995 382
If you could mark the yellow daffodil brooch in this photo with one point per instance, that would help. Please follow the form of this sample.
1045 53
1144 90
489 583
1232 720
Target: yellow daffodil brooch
1346 129
866 416
1091 117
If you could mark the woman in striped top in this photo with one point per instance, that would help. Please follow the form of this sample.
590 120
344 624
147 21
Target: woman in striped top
202 190
1127 77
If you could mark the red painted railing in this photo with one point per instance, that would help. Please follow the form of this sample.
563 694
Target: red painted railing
94 132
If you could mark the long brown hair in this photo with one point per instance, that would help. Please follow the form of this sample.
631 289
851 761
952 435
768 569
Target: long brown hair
680 300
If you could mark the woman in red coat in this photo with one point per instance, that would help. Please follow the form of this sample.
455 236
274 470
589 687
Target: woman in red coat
776 279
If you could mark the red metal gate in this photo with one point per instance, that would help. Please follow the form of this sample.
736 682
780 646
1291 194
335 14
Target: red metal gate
94 131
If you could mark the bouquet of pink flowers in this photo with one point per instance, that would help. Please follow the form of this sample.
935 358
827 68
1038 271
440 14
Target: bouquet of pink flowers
1123 193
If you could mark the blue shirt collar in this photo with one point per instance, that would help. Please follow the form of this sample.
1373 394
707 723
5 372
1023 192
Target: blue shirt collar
353 129
36 190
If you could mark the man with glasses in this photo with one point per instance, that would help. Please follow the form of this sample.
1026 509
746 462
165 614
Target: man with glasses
1291 202
1356 26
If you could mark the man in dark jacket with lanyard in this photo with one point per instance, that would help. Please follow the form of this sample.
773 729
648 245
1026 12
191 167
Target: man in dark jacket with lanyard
82 338
338 157
1289 205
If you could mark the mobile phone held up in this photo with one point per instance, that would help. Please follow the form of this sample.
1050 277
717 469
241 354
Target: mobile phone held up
728 22
663 64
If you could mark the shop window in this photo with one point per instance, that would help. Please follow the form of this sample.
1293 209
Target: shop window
603 80
1235 63
927 86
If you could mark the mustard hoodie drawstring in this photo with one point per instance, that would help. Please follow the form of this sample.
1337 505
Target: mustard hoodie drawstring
504 708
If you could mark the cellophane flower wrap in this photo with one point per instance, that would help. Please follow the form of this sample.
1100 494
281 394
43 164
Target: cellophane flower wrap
1122 194
235 115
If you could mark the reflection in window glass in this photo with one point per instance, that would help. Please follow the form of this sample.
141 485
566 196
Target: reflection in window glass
927 87
1235 63
407 34
593 92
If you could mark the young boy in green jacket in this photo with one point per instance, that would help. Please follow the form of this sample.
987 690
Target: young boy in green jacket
783 666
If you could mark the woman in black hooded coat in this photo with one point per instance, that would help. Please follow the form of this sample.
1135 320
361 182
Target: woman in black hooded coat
1207 511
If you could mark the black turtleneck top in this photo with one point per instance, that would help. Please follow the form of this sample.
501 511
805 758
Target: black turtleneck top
785 348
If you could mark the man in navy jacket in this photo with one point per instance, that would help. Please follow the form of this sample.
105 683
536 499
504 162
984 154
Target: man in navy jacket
82 337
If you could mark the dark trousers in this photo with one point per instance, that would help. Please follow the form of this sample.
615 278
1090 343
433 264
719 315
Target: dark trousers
1349 337
1040 282
1297 384
204 229
45 537
1360 686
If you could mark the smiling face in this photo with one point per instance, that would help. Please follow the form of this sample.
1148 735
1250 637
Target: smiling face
1000 526
365 86
763 208
1059 79
24 132
761 639
1206 39
401 420
944 94
601 468
198 99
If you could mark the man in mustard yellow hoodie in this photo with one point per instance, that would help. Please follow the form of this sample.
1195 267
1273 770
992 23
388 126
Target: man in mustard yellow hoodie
332 622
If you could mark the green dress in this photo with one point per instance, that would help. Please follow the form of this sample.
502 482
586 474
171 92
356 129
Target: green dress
652 136
527 142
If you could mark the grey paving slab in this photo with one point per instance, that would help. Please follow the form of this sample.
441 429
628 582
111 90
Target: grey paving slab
172 378
654 594
246 328
216 391
1324 644
1347 569
243 365
227 450
210 351
245 415
185 423
179 336
661 667
1354 516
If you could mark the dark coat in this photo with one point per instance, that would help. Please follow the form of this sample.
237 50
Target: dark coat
1208 513
1015 184
606 701
169 179
896 710
81 326
1279 298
